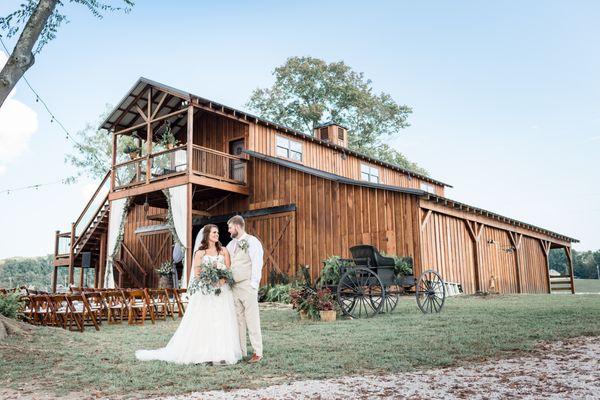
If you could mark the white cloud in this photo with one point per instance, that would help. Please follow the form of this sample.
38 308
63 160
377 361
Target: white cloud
17 123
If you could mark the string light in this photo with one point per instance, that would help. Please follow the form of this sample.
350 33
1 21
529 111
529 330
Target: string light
36 186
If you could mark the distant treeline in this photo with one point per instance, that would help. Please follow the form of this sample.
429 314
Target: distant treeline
31 272
584 263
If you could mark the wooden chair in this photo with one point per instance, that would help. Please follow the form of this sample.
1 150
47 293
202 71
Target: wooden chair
139 306
161 303
116 305
40 310
182 300
81 312
176 305
97 305
26 313
61 311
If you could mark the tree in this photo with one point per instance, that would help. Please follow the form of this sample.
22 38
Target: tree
41 20
93 156
309 91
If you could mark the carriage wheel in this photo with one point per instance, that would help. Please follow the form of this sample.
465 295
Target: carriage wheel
430 292
392 296
360 293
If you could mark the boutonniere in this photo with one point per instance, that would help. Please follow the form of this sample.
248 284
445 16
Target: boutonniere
243 244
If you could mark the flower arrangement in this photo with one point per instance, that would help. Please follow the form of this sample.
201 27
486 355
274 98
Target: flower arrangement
211 275
165 269
311 303
243 244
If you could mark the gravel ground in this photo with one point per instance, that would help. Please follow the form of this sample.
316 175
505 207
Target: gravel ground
559 370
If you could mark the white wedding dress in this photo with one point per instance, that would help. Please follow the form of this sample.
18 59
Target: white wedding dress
208 331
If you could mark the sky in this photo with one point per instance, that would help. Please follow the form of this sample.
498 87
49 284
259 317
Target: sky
505 95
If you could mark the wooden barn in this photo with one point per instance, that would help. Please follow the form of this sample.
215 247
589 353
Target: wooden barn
306 197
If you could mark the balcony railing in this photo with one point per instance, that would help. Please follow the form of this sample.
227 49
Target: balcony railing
206 162
162 164
218 165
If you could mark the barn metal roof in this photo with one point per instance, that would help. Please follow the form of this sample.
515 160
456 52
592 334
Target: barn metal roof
133 118
416 192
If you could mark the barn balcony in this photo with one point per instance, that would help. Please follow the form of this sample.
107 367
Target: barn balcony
166 168
164 138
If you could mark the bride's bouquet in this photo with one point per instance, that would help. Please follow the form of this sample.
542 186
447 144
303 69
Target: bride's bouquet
211 274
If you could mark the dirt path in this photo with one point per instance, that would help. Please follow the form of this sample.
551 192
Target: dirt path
560 370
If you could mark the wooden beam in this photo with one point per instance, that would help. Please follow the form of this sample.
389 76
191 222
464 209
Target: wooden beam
570 263
188 226
546 250
226 186
190 139
515 239
134 102
475 241
430 205
72 255
218 202
102 262
426 219
139 110
160 103
152 187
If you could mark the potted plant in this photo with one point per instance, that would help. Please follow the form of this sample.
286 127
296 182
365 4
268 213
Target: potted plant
165 271
300 299
167 139
323 301
131 149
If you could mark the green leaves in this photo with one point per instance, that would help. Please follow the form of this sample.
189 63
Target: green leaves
308 92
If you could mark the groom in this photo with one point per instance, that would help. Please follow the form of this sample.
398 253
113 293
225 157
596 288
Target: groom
246 266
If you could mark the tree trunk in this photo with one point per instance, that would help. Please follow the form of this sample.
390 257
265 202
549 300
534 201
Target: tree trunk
13 327
22 57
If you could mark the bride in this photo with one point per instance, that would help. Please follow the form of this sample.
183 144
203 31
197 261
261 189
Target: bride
208 331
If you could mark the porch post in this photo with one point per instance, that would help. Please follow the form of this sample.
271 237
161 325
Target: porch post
190 138
149 138
189 239
72 255
570 263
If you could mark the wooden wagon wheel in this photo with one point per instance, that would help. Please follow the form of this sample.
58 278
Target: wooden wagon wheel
360 293
430 292
392 296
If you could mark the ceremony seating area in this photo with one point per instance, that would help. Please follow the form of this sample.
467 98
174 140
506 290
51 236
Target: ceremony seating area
90 307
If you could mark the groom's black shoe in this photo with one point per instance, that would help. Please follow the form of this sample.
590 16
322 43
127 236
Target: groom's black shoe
255 359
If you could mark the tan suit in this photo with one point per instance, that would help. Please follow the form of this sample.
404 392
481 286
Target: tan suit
246 301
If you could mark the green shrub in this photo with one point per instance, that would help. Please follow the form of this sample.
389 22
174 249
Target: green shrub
9 305
276 293
403 266
332 271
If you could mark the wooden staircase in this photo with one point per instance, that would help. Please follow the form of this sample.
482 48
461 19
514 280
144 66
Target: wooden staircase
88 235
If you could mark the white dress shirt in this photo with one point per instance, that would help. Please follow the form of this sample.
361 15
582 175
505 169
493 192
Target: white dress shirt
255 251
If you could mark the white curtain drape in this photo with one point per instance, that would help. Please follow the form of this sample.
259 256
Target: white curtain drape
115 224
178 210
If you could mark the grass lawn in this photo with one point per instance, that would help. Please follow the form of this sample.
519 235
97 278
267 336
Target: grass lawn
470 328
587 285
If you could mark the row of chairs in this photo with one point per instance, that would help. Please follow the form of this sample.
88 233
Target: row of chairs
83 307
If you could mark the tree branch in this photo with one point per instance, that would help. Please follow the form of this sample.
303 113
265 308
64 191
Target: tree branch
22 57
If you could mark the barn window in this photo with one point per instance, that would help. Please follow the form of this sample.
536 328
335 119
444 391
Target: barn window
340 133
288 148
428 187
368 173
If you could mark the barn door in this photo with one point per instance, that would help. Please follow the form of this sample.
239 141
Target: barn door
277 233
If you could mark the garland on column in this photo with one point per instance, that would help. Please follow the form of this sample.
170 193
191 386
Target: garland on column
111 255
170 221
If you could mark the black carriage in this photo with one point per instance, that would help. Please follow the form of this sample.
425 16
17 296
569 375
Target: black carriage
369 285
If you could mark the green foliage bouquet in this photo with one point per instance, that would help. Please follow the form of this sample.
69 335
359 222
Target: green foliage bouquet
211 274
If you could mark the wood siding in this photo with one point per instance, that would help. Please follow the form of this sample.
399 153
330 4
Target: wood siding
318 156
331 217
448 247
